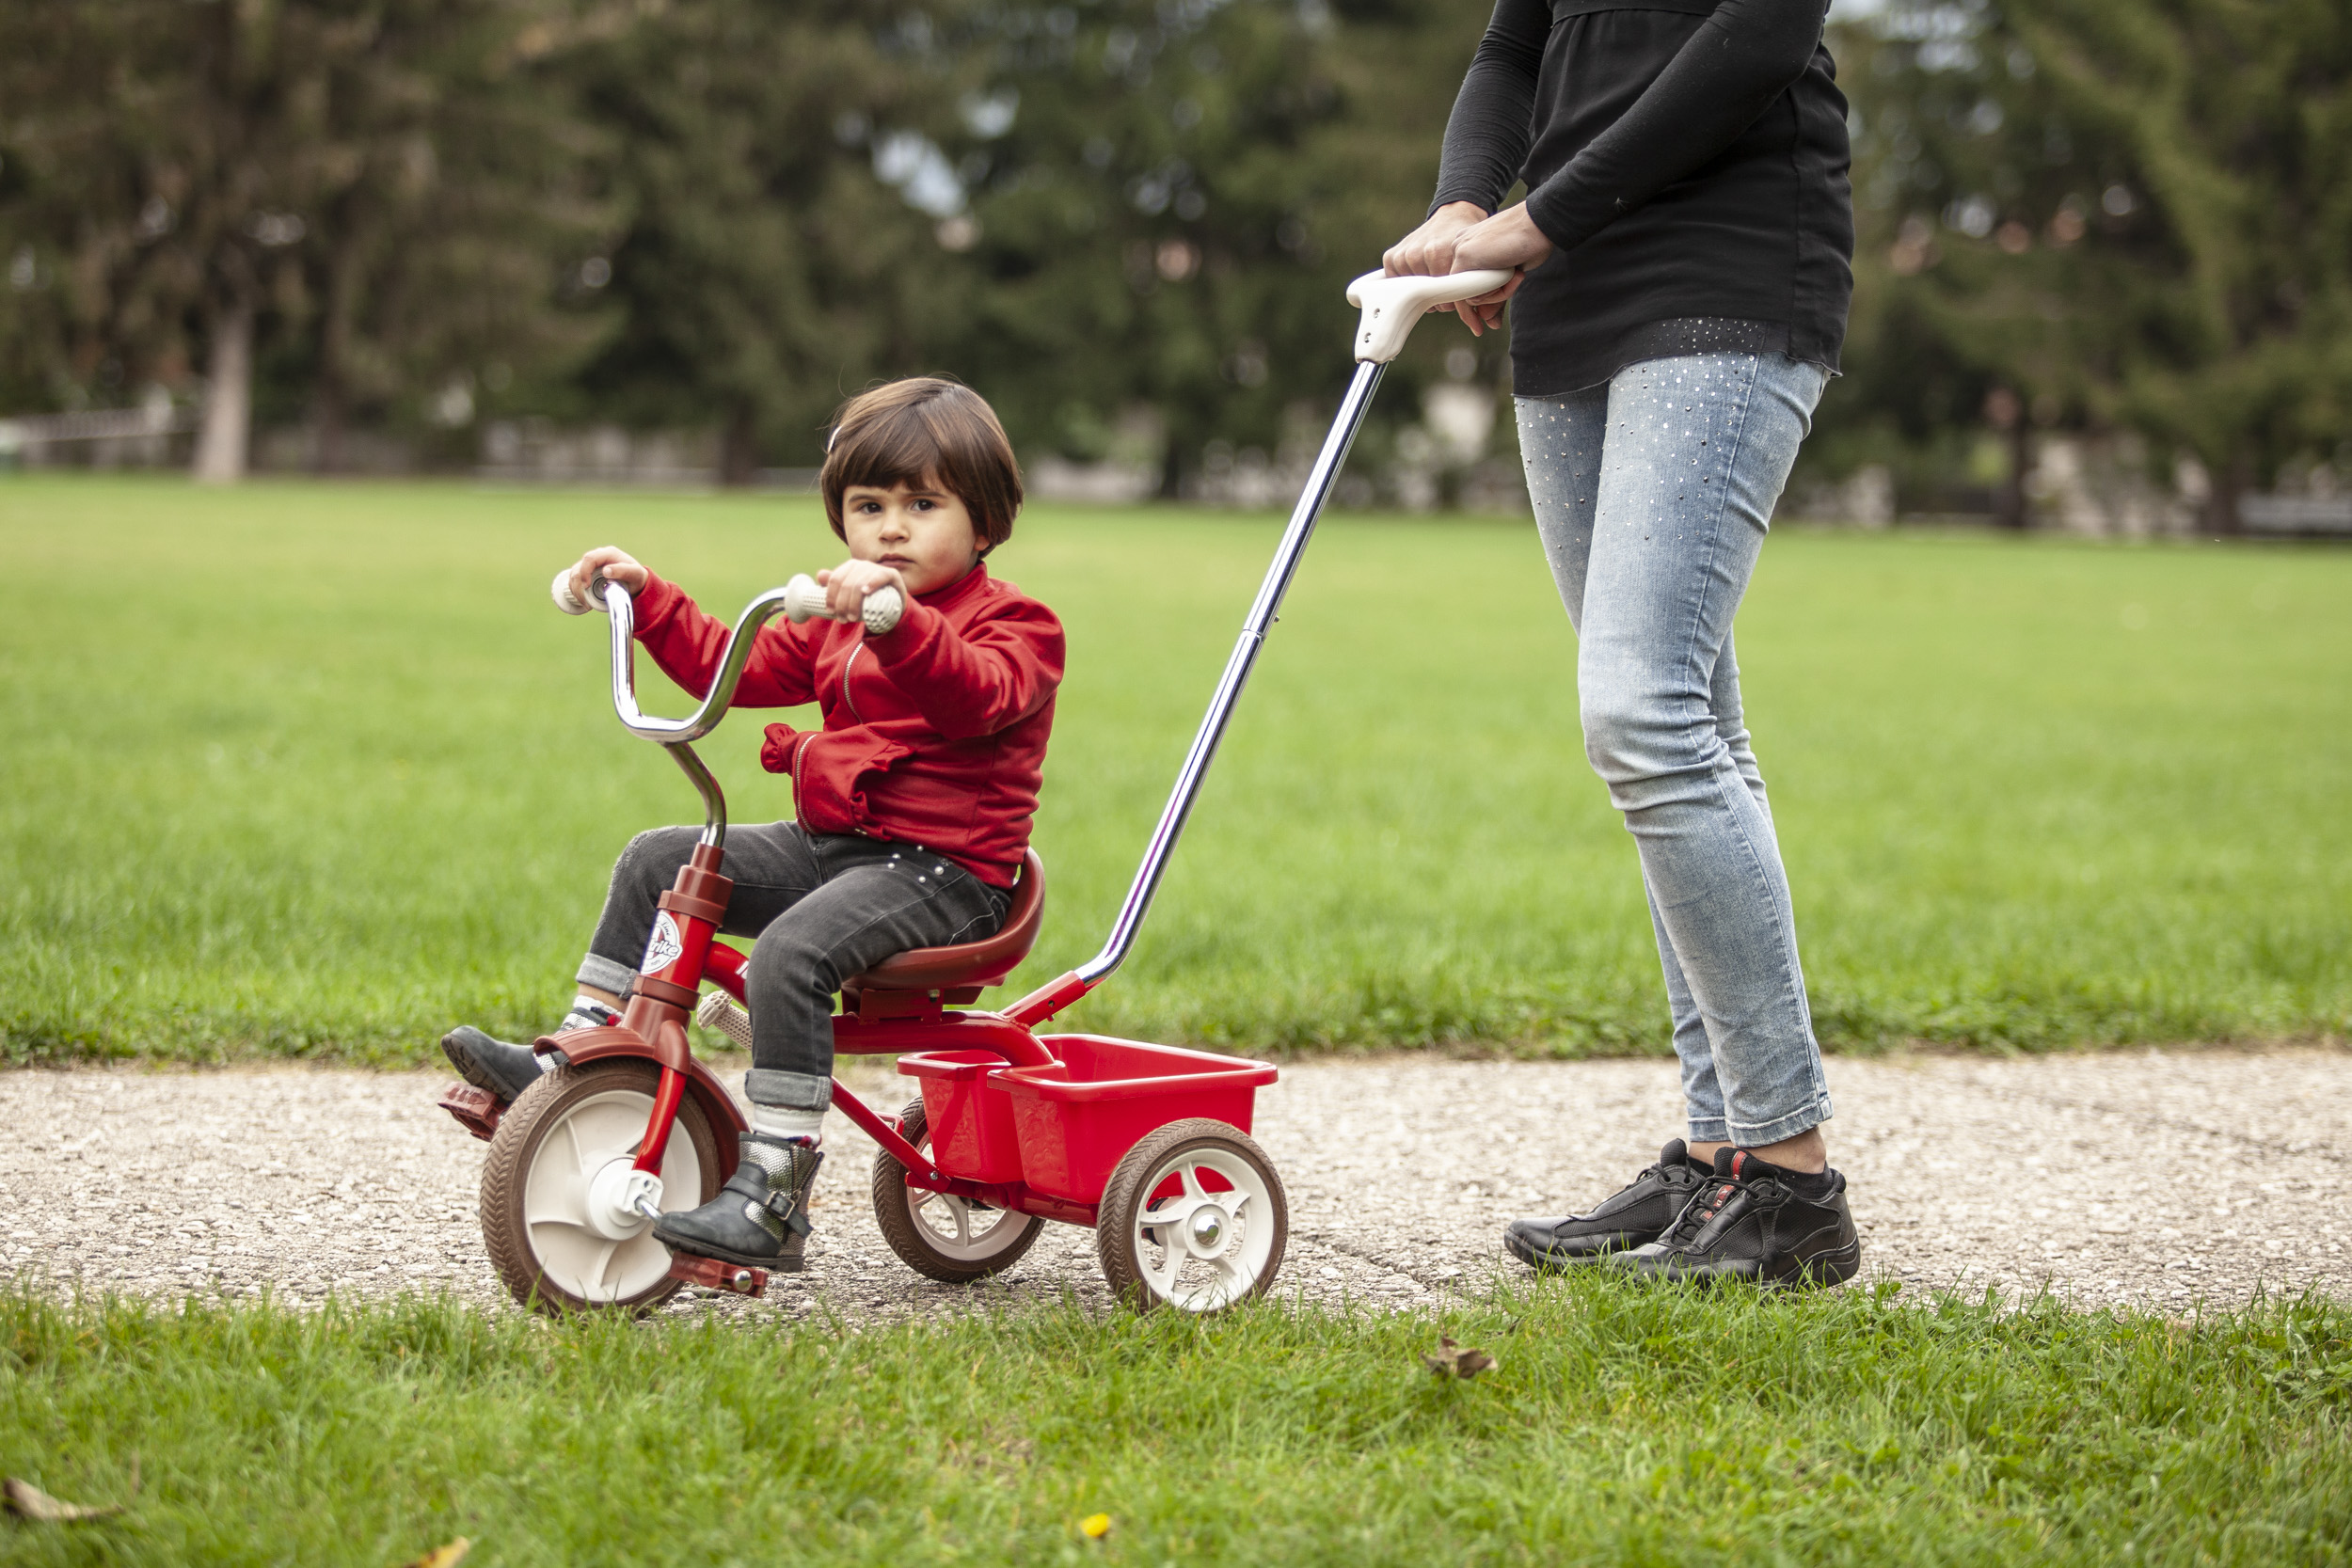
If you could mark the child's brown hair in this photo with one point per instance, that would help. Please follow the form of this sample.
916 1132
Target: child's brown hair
925 428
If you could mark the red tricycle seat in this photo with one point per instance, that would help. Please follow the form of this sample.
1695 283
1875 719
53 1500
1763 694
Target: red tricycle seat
927 977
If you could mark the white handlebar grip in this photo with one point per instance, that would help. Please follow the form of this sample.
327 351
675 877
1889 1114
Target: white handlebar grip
566 600
802 598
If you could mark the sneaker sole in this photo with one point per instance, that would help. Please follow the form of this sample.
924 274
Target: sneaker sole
1817 1273
475 1074
1560 1262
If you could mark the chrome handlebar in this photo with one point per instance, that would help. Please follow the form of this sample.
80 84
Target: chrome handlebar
674 732
677 736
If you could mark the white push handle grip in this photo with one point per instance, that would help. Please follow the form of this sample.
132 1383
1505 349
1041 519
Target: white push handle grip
1393 304
803 599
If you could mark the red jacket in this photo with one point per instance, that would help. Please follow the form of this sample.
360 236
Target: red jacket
934 733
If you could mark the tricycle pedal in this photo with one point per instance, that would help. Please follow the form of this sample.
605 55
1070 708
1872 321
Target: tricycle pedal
739 1278
477 1110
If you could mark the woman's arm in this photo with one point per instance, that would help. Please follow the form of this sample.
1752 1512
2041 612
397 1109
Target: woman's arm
1487 134
1742 57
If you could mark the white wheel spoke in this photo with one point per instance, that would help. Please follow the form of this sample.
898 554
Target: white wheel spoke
1190 1174
1163 1278
556 1203
571 1251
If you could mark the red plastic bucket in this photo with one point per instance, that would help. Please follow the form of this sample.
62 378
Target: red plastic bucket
1074 1121
1061 1128
968 1112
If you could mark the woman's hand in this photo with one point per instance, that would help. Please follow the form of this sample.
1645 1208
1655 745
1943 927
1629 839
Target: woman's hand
611 564
1460 237
1429 251
847 585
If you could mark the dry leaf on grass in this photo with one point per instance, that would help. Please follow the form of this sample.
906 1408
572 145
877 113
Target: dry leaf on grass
1452 1361
33 1503
444 1557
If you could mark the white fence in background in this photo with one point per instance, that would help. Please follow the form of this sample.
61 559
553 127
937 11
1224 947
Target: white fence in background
105 437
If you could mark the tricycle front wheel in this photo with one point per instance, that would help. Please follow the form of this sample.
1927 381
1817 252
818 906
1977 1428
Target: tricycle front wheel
558 1234
1194 1217
952 1240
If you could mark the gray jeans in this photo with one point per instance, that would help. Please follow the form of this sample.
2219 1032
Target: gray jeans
822 906
1653 493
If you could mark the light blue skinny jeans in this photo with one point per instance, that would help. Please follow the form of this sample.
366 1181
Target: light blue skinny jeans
1653 493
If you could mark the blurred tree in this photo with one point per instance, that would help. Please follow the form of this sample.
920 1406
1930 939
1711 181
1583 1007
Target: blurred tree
378 171
2107 213
774 159
1167 199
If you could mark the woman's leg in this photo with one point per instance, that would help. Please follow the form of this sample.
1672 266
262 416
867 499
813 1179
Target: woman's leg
1562 444
1696 453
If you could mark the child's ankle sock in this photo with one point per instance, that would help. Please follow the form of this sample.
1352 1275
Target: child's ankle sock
587 1013
779 1121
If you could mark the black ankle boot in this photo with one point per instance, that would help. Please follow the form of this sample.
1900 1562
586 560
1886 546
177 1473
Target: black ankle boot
489 1064
760 1217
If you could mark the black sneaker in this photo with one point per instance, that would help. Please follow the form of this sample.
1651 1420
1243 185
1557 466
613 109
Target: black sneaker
760 1217
489 1064
1635 1213
1752 1222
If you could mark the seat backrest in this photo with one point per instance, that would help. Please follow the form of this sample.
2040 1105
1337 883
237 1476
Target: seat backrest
985 963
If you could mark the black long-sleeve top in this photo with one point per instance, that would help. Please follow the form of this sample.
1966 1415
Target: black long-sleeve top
1689 160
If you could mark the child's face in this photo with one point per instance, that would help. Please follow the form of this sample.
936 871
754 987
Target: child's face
919 530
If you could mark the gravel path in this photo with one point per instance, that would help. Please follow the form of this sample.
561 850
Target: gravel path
2158 1180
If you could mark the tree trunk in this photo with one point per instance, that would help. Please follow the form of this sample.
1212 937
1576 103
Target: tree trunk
739 450
2233 479
221 440
2010 506
326 452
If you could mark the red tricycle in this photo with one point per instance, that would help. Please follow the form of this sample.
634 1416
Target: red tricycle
1148 1144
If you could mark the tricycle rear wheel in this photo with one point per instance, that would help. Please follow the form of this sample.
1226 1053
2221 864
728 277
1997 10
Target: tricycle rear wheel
952 1240
1194 1217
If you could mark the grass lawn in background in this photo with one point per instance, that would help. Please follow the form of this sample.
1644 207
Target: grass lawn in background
317 769
1624 1425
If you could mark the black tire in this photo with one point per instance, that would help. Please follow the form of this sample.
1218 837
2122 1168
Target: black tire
1125 1246
922 1248
523 1250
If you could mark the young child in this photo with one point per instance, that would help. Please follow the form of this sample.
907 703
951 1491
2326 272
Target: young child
914 798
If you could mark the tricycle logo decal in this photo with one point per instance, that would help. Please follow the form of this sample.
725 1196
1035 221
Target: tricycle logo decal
664 950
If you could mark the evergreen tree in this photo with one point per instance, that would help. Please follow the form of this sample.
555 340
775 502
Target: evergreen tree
1168 199
764 266
190 170
2114 214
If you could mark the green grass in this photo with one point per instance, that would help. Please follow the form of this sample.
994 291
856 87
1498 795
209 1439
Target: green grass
317 771
1623 1426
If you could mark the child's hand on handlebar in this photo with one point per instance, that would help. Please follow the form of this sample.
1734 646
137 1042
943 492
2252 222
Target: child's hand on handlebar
611 564
847 585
